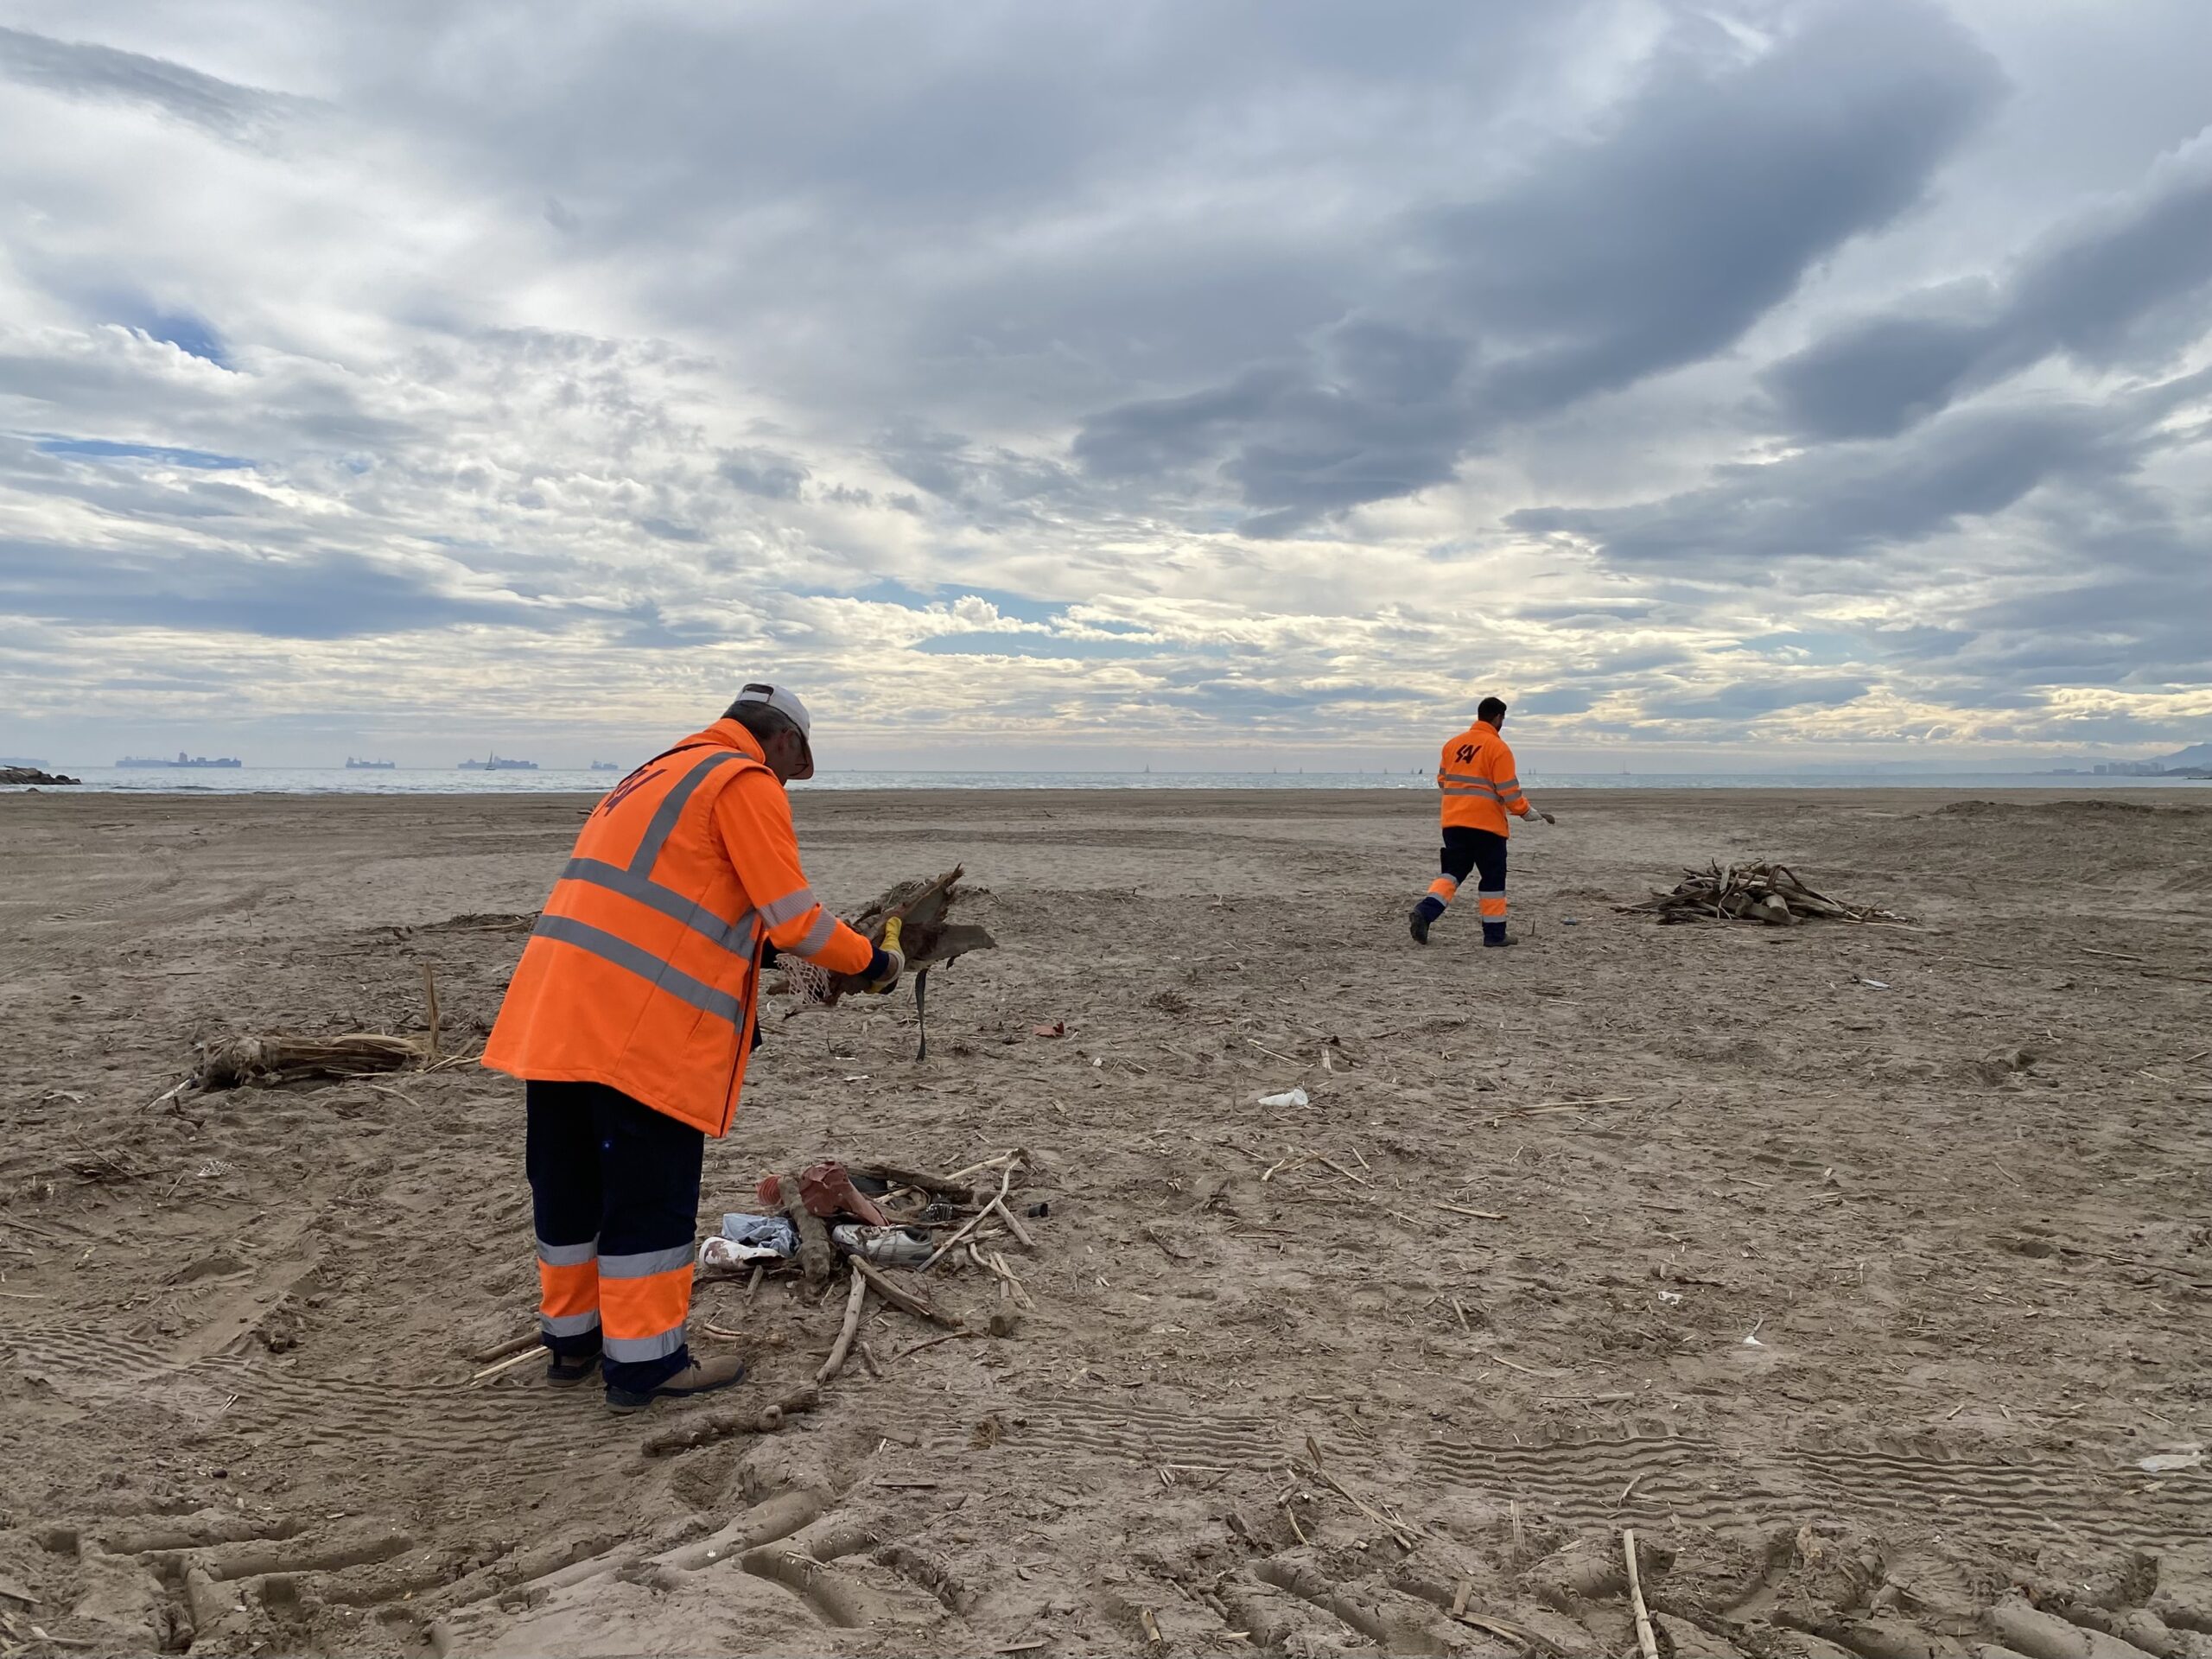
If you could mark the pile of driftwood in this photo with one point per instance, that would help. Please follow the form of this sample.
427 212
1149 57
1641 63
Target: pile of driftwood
1770 894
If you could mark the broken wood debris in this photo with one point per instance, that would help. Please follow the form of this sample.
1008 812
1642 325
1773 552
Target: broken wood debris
1772 894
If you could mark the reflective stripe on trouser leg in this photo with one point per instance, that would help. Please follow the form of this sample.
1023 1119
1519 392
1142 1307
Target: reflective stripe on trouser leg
567 1288
1492 905
643 1302
562 1155
1443 889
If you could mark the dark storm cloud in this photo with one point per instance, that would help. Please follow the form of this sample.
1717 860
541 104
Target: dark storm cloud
1851 499
243 115
1748 700
2129 279
1655 243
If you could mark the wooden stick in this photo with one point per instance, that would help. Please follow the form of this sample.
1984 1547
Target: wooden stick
929 1342
815 1257
987 1164
430 996
854 1301
1340 1169
724 1425
507 1364
520 1345
1022 1235
1458 1210
1644 1639
1396 1529
905 1300
921 1179
1006 1184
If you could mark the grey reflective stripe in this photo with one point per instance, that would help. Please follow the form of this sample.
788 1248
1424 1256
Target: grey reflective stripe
790 907
1490 893
567 1255
568 1324
634 959
737 936
823 930
1464 778
671 807
1509 783
644 1264
635 1351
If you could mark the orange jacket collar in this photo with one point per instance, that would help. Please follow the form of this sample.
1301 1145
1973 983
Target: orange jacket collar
728 734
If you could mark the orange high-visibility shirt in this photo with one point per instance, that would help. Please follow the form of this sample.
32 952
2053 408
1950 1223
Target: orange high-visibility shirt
644 967
1476 774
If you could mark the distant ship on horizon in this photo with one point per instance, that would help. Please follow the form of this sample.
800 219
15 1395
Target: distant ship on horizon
495 764
605 765
186 762
351 765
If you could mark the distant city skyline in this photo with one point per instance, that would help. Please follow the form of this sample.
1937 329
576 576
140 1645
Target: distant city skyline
1762 385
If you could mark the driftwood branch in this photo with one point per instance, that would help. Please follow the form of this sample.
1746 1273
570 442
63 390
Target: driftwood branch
855 1302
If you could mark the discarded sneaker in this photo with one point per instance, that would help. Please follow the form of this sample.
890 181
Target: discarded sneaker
565 1370
700 1376
1420 920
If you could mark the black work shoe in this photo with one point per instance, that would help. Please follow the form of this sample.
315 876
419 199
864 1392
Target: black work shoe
1502 939
1420 920
565 1370
700 1376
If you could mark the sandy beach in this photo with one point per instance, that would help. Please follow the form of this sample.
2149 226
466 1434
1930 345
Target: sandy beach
1865 1273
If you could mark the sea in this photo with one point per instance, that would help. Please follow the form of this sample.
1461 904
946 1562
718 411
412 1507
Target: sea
335 780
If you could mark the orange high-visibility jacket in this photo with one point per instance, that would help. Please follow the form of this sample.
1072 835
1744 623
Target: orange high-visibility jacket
643 970
1476 775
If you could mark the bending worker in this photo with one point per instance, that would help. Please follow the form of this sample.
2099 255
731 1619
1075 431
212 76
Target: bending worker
1476 775
631 1019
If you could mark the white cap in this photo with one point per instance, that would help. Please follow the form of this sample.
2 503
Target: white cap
787 704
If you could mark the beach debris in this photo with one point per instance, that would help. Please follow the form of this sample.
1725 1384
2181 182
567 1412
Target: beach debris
277 1059
926 938
898 1247
771 1233
1874 984
1057 1028
2167 1463
1288 1098
1772 894
749 1241
828 1190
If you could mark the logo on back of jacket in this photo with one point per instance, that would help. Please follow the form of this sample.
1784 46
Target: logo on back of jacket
624 789
1466 753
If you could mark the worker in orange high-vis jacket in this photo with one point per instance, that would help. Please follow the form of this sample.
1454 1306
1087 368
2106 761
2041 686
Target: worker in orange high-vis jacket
1476 775
631 1018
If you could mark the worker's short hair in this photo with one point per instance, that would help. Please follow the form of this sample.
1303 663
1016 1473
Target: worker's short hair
763 721
1491 710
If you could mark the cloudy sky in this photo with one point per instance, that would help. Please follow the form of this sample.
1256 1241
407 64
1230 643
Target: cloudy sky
1235 381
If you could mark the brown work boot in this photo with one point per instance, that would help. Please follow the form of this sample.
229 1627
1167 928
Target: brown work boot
700 1376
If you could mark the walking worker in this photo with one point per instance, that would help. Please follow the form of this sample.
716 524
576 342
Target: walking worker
1476 774
629 1020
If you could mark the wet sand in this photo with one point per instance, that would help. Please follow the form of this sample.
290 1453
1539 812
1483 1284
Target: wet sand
1859 1270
